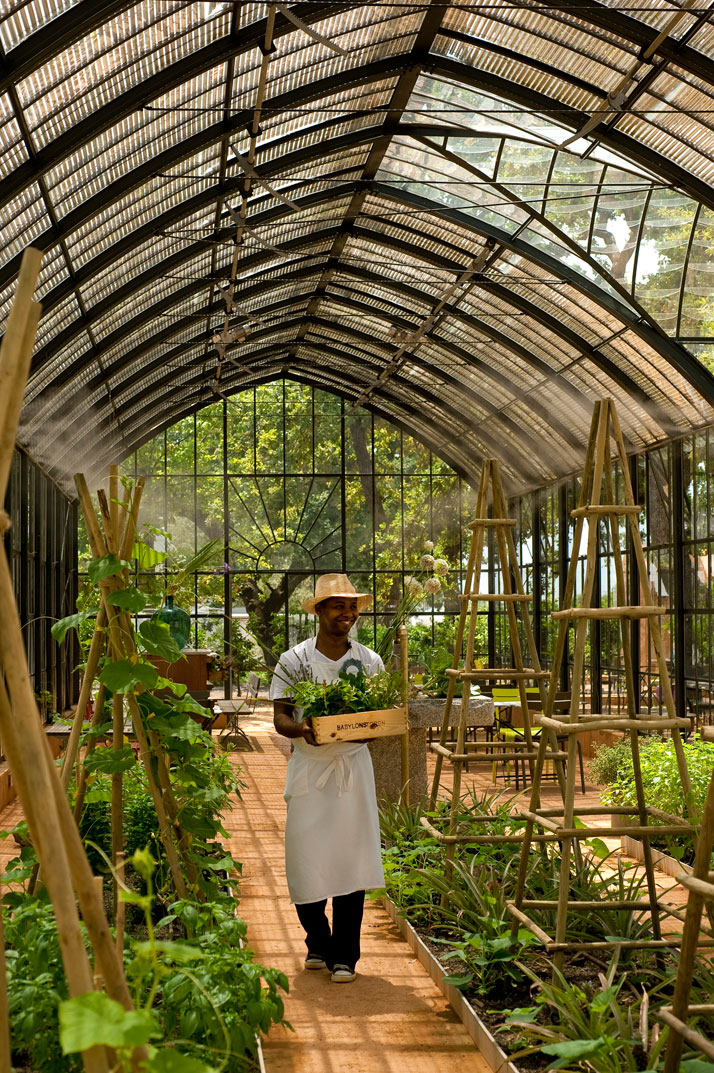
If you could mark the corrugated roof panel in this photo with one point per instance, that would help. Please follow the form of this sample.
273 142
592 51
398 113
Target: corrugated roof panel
126 51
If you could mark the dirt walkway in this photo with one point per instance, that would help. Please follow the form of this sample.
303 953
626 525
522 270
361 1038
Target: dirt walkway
392 1018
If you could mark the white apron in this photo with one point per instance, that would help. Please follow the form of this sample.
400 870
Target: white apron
332 843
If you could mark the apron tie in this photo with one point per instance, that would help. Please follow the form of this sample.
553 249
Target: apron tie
342 769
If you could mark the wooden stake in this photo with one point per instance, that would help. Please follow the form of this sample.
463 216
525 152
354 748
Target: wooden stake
25 747
15 356
96 650
121 641
117 793
120 918
404 664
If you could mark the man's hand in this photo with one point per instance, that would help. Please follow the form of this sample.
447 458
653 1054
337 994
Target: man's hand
309 734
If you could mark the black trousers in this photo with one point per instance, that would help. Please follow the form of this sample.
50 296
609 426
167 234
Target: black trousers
339 946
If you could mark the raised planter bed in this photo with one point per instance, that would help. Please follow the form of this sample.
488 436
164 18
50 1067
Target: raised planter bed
632 847
477 1030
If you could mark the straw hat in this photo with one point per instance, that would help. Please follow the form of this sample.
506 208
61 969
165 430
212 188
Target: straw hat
330 585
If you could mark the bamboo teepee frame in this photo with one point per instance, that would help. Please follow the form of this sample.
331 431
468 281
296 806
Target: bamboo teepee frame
512 596
700 885
561 822
54 833
114 536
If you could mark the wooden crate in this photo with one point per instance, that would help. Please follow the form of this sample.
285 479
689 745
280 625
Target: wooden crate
353 726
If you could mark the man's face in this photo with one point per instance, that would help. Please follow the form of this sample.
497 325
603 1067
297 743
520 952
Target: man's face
337 615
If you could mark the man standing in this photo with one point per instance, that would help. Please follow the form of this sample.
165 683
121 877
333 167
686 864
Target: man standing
332 843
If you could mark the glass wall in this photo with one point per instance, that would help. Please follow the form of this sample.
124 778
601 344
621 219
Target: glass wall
675 487
290 483
41 545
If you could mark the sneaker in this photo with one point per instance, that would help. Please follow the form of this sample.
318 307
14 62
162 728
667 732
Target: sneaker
314 961
343 974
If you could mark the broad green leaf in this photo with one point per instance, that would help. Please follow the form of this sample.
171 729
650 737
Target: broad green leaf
176 725
459 981
572 1050
172 1061
696 1065
523 1015
109 760
179 952
62 627
598 847
128 600
108 566
177 688
156 639
123 675
94 1019
147 557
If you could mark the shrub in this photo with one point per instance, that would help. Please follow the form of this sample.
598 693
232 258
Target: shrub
660 776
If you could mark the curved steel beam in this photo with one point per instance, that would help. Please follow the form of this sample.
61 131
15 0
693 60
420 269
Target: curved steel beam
363 358
404 318
687 365
142 434
55 36
219 52
205 395
548 321
627 147
359 340
615 21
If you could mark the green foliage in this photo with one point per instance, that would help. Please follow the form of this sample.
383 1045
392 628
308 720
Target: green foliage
660 777
351 692
124 675
106 567
128 600
94 1019
590 1029
157 640
36 983
61 628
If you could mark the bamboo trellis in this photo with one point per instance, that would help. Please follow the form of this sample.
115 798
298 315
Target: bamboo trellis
561 823
513 596
54 833
700 885
109 537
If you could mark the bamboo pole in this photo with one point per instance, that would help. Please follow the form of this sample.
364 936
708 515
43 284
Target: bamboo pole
26 748
404 662
15 356
121 640
120 918
96 650
20 727
117 794
82 780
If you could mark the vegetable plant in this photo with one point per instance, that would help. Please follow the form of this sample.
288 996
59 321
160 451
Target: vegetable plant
351 692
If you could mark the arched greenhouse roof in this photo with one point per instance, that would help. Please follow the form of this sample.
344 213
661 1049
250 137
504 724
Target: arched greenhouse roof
472 218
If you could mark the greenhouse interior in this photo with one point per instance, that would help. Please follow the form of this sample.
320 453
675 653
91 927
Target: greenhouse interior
357 461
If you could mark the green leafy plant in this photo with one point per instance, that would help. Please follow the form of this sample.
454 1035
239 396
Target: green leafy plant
351 692
589 1028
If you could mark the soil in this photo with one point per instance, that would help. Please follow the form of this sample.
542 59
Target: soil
492 1009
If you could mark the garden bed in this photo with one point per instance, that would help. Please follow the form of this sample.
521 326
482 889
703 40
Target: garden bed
480 1033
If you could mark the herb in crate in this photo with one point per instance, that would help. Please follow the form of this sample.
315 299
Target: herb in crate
351 692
